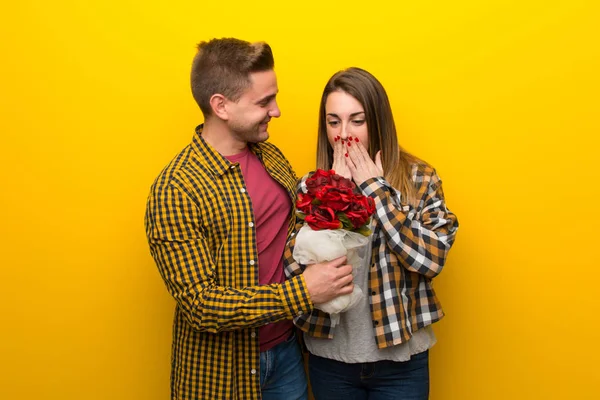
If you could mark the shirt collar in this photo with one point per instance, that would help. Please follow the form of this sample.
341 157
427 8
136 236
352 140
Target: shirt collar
211 158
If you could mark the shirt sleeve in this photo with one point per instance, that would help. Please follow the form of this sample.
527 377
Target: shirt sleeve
291 267
182 254
421 237
315 322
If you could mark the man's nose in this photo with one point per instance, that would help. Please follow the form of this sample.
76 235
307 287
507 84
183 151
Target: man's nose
274 112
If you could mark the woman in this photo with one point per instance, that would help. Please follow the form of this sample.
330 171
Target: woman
379 349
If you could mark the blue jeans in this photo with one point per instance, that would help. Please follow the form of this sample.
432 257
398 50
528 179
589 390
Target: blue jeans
282 374
381 380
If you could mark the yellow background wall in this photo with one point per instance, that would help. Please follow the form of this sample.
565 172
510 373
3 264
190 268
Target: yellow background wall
501 96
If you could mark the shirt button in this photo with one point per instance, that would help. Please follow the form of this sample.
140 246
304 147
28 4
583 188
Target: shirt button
251 262
376 322
253 371
251 224
253 334
373 293
243 190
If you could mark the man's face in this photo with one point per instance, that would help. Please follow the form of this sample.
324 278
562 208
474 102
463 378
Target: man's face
250 115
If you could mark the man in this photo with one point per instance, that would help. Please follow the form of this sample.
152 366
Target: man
217 220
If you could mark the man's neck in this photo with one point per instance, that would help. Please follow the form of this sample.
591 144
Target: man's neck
216 134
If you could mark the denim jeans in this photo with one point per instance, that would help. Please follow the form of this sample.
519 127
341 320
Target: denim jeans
282 374
381 380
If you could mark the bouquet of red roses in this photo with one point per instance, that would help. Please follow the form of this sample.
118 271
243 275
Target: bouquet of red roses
337 223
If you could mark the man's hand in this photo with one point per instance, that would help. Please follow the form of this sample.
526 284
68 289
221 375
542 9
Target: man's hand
328 280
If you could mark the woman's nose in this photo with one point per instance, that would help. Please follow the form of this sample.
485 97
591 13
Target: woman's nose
344 132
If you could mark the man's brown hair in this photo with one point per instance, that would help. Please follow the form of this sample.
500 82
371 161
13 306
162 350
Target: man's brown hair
223 66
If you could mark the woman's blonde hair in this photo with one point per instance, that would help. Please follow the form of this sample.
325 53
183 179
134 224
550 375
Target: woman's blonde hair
364 87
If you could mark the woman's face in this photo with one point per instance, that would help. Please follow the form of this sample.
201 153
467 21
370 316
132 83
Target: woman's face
345 118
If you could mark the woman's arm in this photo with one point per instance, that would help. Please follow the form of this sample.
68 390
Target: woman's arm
421 237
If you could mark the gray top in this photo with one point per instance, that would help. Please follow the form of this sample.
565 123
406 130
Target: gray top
354 341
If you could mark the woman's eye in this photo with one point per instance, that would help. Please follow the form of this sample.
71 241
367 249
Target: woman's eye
333 123
358 121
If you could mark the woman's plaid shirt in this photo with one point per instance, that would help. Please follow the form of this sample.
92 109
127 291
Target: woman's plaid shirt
200 227
410 246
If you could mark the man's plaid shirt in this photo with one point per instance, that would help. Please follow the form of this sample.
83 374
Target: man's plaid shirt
410 245
200 227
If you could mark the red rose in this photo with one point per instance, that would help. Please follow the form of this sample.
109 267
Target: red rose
370 206
318 179
339 181
360 210
358 217
322 218
365 203
336 198
331 203
304 202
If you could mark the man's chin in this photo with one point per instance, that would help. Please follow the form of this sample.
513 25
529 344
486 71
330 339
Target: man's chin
263 132
260 136
263 136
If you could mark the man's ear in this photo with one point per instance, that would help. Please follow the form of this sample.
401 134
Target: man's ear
218 104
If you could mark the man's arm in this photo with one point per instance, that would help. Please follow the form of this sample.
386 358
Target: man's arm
187 267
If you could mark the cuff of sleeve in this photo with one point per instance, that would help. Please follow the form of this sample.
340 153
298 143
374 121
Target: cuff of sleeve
375 186
295 297
382 192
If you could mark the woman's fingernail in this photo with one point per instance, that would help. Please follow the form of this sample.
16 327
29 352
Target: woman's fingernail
346 154
349 143
356 139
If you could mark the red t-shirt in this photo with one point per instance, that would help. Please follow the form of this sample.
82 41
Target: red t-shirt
271 205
